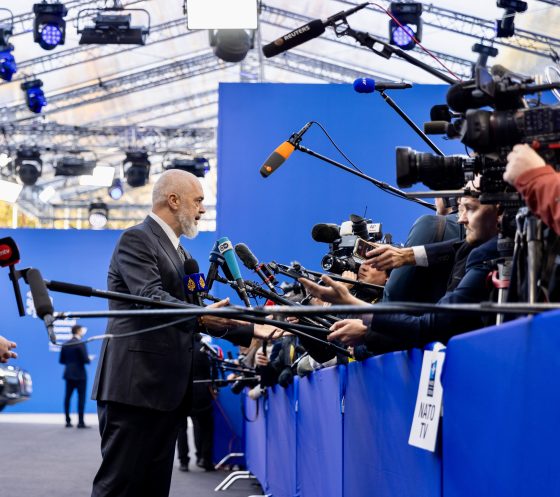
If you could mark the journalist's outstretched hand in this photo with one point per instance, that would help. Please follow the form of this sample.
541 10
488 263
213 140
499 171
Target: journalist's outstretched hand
522 158
214 323
386 257
6 347
334 292
349 331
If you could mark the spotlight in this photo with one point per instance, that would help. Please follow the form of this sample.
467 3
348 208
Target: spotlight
198 166
113 29
8 64
231 45
34 96
136 168
28 165
408 14
74 165
49 27
505 27
116 190
98 215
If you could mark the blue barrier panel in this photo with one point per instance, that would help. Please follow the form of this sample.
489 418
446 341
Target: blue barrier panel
319 435
255 439
502 408
281 441
380 400
228 426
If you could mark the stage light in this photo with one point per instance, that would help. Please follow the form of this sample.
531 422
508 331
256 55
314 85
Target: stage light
113 29
408 14
49 27
8 64
220 14
116 190
136 168
98 215
483 51
74 165
28 165
100 176
231 45
198 166
34 96
505 27
9 191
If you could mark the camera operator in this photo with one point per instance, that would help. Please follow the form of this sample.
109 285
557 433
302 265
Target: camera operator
367 274
538 183
388 332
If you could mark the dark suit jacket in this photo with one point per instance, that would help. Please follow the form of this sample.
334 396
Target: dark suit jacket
389 332
152 370
74 357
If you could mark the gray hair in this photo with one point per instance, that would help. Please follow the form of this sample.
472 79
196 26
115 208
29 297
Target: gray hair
171 181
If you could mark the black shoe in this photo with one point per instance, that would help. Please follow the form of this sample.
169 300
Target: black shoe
206 466
183 467
83 425
68 424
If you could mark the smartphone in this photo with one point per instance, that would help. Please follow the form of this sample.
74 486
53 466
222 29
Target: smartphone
361 247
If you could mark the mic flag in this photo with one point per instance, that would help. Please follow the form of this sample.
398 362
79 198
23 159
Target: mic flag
194 283
369 85
226 249
9 253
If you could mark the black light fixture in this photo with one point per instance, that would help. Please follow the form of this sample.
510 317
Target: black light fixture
136 168
28 165
98 214
408 14
505 27
198 166
74 165
49 27
112 26
231 45
34 95
483 51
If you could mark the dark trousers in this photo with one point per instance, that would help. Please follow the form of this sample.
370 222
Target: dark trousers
203 427
72 385
137 445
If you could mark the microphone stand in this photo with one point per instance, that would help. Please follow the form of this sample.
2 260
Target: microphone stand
379 184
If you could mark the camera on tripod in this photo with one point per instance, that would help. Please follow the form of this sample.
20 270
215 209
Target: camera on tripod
491 134
342 240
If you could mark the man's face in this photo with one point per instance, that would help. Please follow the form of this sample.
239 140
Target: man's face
368 274
190 209
480 221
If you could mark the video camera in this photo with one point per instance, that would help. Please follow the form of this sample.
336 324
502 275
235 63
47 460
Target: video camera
490 133
342 239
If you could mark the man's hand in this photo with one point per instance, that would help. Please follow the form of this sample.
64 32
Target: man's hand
522 158
6 347
261 359
349 331
268 332
386 257
349 275
335 292
214 323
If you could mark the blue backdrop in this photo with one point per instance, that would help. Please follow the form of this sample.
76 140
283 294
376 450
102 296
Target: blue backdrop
274 216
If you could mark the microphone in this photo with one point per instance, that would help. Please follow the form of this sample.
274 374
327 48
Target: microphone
325 232
41 300
369 85
282 152
9 252
216 261
251 262
226 249
465 95
193 281
307 32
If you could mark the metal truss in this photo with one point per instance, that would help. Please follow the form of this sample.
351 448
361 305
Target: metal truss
481 29
54 137
23 23
194 65
276 17
63 59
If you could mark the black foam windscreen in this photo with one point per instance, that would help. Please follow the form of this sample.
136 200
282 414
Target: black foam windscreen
41 299
191 266
325 232
246 256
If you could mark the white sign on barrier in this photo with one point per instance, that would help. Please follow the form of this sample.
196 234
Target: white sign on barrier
425 423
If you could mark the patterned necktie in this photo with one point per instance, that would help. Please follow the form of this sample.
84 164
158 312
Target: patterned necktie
182 254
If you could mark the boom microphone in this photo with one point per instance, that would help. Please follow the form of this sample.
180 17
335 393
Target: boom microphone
369 85
41 300
279 156
325 232
251 262
307 32
226 249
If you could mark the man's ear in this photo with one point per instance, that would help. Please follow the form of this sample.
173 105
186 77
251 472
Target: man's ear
173 201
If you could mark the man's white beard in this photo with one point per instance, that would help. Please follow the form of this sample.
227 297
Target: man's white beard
188 226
